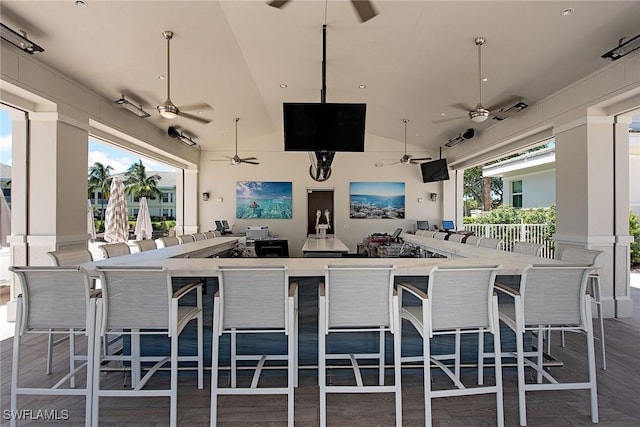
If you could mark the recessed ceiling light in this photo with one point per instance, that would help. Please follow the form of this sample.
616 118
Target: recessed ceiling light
567 12
362 86
443 114
81 3
485 79
160 77
283 85
378 165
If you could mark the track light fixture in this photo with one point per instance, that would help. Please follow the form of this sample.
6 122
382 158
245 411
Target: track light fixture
135 109
175 133
19 40
623 48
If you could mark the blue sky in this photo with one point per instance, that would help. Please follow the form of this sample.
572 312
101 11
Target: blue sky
106 154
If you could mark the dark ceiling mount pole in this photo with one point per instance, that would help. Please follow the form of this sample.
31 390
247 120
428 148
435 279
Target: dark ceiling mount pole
323 158
323 91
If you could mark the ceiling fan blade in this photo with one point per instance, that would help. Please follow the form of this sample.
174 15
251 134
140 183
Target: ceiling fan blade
194 117
463 107
420 159
450 118
278 3
248 158
196 107
364 9
250 162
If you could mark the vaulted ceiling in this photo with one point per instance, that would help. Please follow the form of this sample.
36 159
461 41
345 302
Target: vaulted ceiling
417 59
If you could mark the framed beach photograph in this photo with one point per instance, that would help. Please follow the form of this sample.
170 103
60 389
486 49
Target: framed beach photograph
263 200
376 200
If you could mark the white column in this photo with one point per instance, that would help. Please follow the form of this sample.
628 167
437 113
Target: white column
585 194
621 254
191 201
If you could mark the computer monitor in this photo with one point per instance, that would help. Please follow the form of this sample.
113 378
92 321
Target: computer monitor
258 233
272 248
448 225
222 226
422 225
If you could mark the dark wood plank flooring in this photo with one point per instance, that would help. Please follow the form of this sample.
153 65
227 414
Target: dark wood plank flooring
618 393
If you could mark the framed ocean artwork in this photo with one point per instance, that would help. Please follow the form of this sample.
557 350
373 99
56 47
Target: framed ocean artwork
263 200
376 200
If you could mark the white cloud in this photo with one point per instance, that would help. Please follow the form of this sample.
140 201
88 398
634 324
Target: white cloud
121 162
5 149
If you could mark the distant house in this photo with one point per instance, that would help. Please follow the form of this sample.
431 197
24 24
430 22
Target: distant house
529 179
164 206
5 181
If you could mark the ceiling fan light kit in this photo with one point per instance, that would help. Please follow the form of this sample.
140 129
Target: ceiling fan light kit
168 109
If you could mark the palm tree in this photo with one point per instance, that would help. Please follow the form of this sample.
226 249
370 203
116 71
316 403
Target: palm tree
139 184
100 180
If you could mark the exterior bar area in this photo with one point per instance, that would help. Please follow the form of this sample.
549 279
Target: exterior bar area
310 261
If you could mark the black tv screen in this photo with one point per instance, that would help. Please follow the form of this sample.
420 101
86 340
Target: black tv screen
436 170
324 127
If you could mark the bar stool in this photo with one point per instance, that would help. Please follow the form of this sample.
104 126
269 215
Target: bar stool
590 257
54 299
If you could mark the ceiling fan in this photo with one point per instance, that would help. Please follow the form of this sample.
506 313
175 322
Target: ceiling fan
364 8
407 159
236 160
168 109
480 113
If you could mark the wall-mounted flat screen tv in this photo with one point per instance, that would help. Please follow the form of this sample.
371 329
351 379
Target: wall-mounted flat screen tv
436 170
324 127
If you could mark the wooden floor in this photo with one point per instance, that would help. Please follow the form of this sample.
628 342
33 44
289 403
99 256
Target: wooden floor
618 394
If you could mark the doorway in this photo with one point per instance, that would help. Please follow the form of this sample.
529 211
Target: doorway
319 200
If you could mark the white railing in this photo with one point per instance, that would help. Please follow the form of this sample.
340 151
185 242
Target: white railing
511 233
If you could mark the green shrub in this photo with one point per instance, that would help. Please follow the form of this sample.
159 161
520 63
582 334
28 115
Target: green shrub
634 230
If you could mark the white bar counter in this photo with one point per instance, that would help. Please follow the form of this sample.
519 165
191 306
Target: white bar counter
183 261
321 245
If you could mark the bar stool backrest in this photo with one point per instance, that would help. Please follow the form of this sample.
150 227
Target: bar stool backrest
53 297
186 238
455 237
487 242
580 256
473 240
115 249
70 258
527 248
165 242
145 245
554 295
460 297
359 296
253 297
135 297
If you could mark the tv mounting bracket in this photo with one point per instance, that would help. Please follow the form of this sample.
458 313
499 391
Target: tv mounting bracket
321 171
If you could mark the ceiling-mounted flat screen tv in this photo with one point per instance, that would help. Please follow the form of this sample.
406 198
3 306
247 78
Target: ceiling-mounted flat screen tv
324 127
436 170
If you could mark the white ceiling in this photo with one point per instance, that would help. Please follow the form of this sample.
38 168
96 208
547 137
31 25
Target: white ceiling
417 58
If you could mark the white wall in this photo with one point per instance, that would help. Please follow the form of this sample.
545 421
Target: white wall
634 173
219 179
538 189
